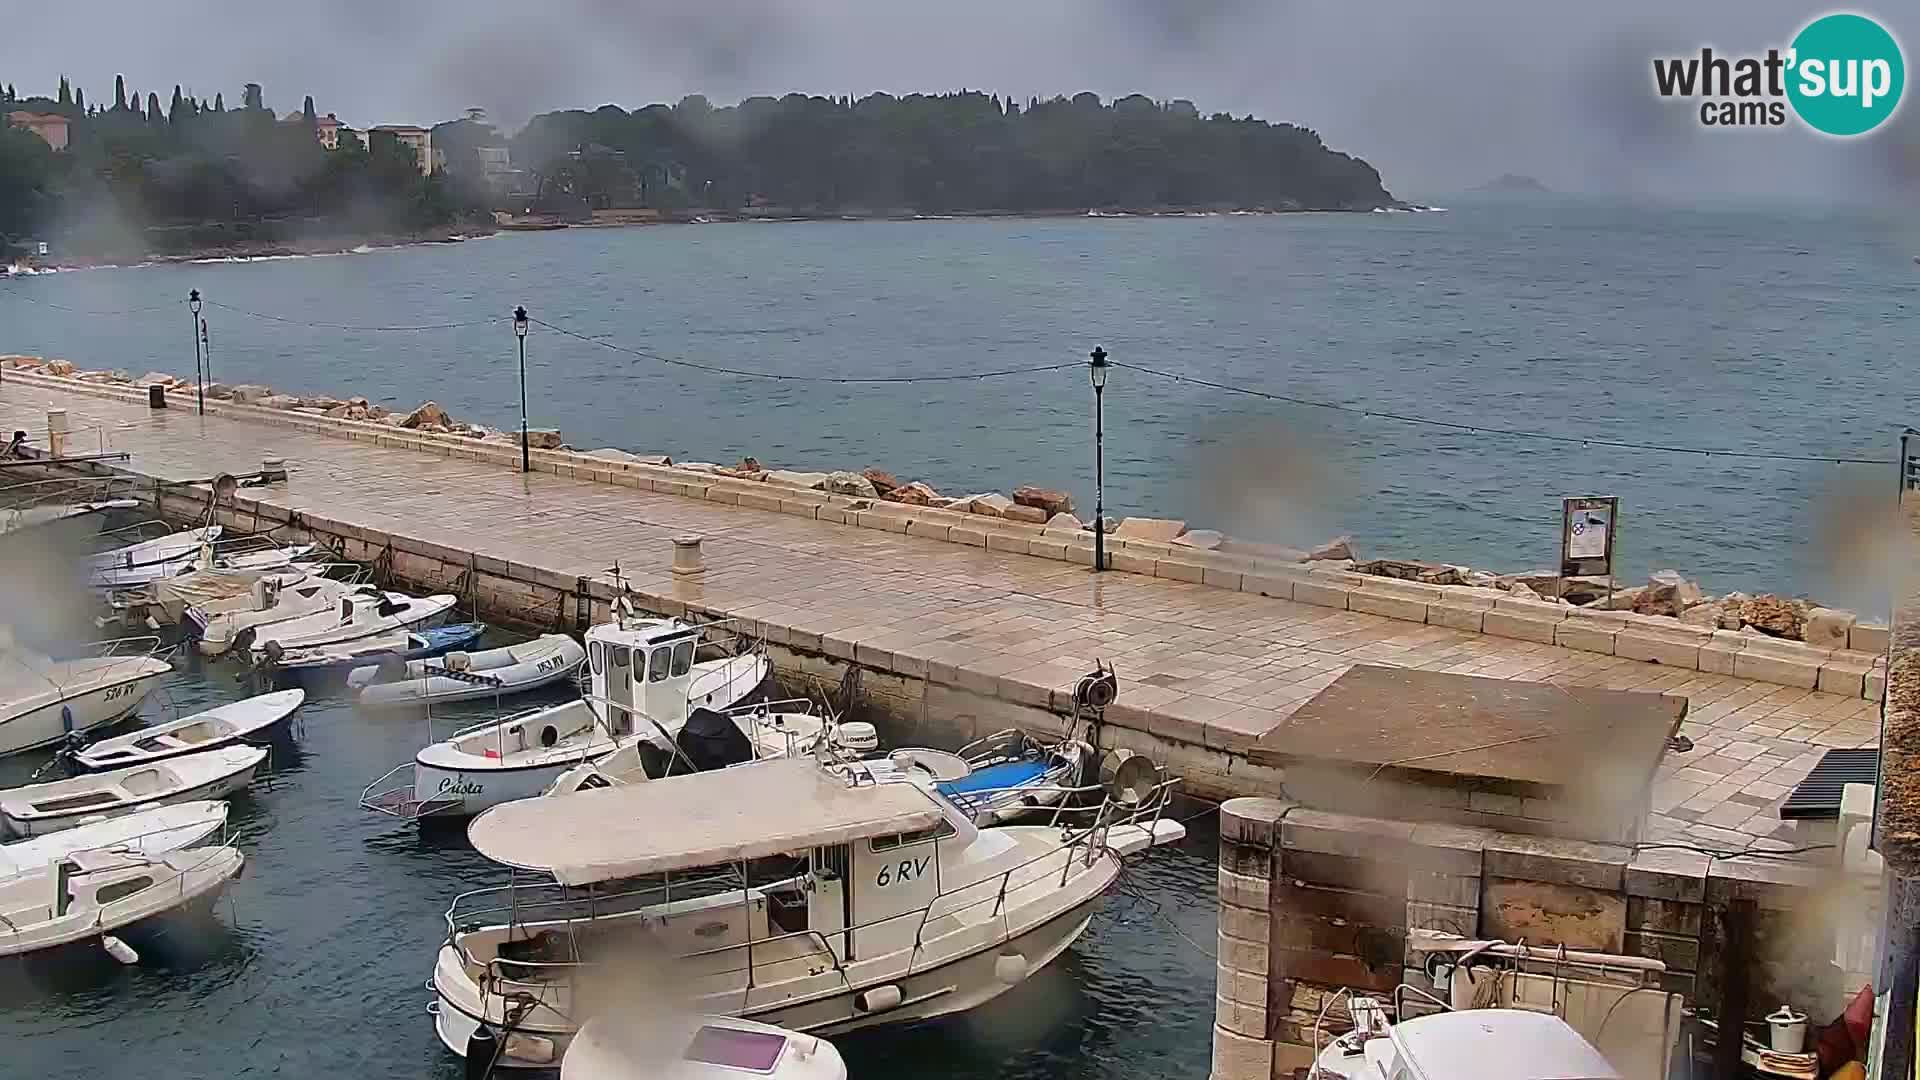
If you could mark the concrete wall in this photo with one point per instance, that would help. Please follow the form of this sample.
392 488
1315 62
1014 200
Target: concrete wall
1312 901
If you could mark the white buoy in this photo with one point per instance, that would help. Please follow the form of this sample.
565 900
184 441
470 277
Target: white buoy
119 950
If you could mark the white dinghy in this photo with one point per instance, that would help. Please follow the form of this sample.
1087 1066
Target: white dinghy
643 683
268 603
150 832
43 700
239 721
91 893
779 891
465 676
625 1046
363 613
38 809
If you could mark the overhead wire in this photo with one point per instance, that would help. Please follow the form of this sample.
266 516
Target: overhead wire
346 326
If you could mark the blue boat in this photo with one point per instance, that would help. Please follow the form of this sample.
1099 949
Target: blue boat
330 665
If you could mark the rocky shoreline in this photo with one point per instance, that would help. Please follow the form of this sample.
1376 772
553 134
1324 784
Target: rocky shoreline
1666 593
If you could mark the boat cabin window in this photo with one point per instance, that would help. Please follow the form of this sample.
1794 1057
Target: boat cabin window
662 661
888 843
618 656
120 890
594 654
682 658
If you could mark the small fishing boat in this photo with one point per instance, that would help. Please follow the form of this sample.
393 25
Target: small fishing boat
793 894
89 894
632 1045
643 683
363 613
180 547
148 832
326 665
38 809
1006 774
241 721
723 738
43 700
464 676
218 625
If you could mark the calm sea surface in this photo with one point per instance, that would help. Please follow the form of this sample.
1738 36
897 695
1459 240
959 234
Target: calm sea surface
1782 331
1774 331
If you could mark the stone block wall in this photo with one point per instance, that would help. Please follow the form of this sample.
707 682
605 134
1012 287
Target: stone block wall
1312 901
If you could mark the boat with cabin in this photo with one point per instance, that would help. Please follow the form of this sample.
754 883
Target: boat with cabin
90 895
43 700
785 892
643 682
360 613
149 832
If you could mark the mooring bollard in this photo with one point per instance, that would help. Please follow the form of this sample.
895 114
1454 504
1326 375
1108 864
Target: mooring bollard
273 470
56 433
686 555
156 396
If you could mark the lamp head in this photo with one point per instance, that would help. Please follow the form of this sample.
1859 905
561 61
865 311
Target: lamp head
193 301
1097 367
520 321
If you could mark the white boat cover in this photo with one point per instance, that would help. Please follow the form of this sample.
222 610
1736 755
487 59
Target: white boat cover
700 819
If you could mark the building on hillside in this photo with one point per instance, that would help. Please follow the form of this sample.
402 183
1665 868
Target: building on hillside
326 128
417 139
51 127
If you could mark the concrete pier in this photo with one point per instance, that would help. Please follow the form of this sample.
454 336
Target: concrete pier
957 624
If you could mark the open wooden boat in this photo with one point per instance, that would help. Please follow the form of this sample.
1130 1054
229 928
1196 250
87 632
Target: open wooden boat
239 721
38 809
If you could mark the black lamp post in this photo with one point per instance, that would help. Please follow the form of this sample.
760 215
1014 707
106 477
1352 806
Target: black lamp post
199 381
1097 371
520 331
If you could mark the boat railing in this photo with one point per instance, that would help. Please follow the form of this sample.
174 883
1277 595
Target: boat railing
136 646
552 902
32 493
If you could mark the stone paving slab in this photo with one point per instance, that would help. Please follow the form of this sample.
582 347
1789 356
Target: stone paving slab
1223 667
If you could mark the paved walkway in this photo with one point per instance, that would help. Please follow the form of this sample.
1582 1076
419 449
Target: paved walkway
1231 664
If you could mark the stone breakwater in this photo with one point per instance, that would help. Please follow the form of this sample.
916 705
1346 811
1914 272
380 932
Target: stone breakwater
1824 646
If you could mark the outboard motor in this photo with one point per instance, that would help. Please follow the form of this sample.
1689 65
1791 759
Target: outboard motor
711 740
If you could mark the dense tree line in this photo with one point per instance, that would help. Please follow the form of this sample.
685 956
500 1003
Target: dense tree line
962 151
135 175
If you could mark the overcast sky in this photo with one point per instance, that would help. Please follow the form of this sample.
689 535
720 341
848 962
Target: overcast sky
1439 96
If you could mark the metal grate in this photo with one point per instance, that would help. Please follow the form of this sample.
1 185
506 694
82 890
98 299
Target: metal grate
1817 798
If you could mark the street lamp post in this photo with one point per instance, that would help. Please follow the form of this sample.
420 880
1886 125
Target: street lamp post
199 381
1097 371
520 331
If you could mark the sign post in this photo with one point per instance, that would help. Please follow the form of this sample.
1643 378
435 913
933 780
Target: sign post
1587 528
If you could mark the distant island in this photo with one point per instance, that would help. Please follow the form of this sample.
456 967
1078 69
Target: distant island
195 177
1514 182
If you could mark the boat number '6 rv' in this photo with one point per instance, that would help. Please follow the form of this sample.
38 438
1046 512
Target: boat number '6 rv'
908 870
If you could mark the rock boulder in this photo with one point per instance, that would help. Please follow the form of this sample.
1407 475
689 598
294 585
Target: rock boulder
1774 616
1032 515
1828 628
429 412
249 393
882 480
1340 547
851 483
990 504
279 401
541 438
914 494
797 479
1202 539
157 378
1157 530
63 367
1053 502
1064 521
1666 593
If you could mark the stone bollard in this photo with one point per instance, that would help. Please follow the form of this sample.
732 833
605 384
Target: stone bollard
56 433
687 559
273 470
156 396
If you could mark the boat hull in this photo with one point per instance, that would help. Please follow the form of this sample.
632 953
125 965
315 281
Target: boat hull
213 790
50 724
466 792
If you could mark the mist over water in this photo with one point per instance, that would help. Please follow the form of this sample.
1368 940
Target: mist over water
1758 328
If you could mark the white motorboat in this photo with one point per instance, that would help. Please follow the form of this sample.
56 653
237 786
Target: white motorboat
779 891
643 682
22 518
92 893
362 613
149 832
669 1046
267 604
213 591
1510 1012
43 700
240 721
723 738
149 560
465 676
1002 777
38 809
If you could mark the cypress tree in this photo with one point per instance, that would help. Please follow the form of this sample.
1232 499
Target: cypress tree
80 100
306 111
177 110
219 102
119 93
154 115
66 91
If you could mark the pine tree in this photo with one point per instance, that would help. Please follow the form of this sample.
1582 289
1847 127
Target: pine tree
219 102
154 115
66 91
177 109
119 93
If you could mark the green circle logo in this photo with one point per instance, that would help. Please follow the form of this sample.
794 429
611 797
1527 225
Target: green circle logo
1846 74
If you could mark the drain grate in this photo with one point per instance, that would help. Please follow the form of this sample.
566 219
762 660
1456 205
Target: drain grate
1818 796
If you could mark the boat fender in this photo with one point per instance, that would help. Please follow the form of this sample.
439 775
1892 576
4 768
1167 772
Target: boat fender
1010 968
119 950
66 719
549 735
482 1047
878 999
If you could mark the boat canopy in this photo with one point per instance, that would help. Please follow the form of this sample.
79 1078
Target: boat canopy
1498 1044
699 819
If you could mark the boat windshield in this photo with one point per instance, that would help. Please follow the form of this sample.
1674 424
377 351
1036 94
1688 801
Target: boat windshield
755 1050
